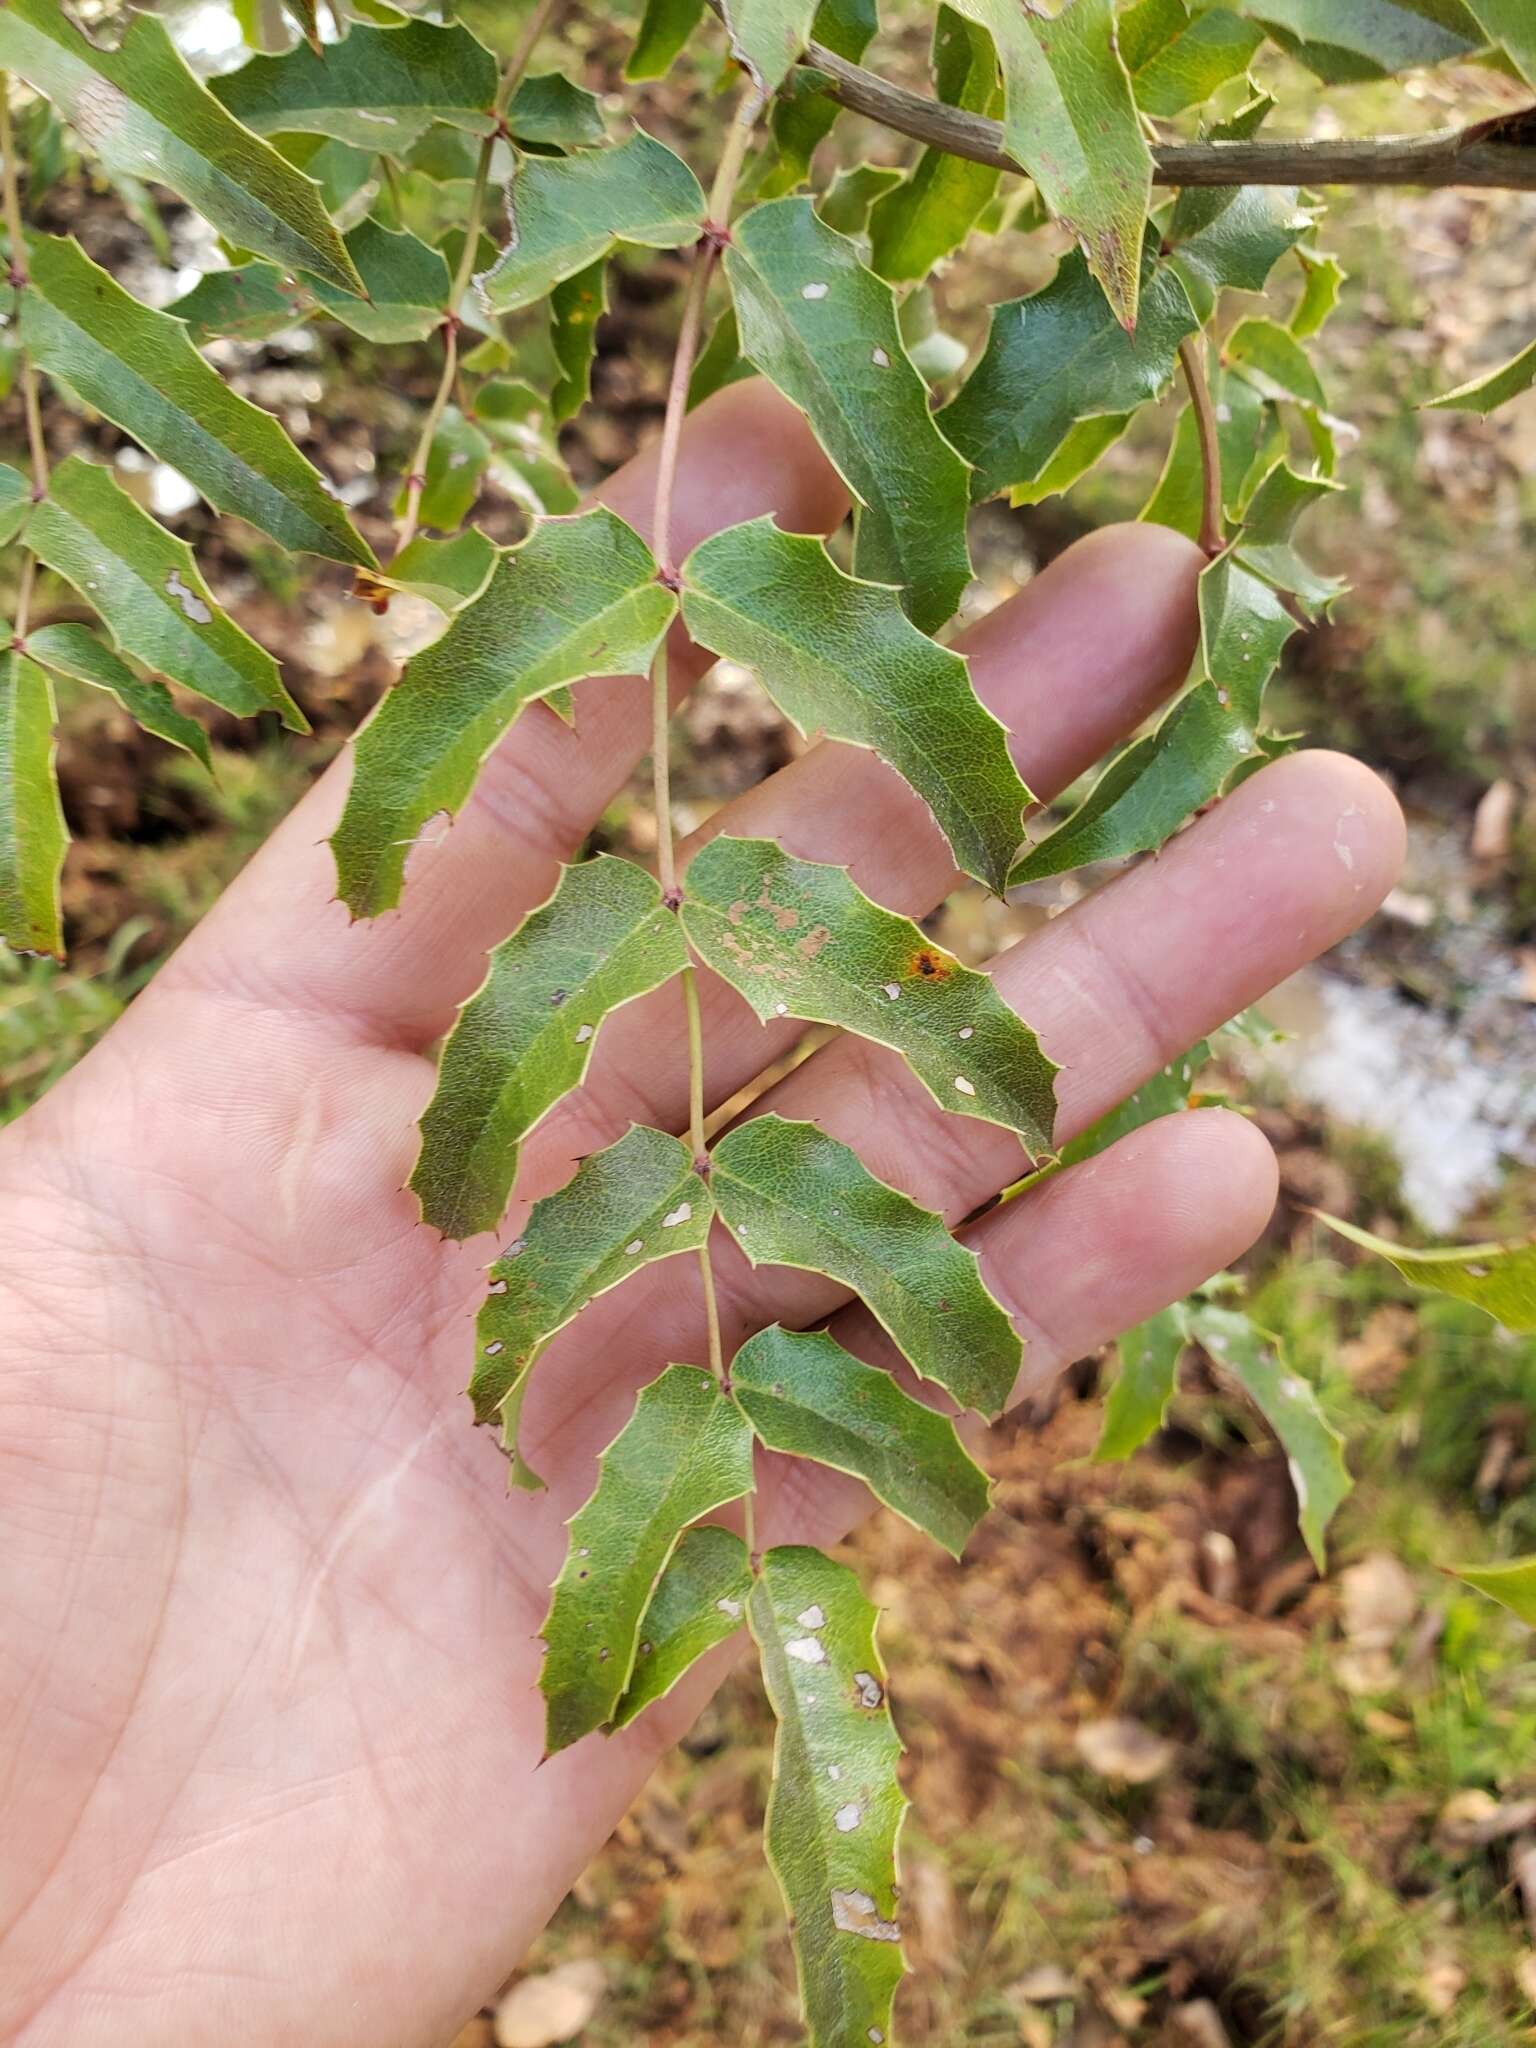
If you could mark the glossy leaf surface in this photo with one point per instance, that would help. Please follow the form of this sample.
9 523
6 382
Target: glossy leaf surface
1178 57
700 1600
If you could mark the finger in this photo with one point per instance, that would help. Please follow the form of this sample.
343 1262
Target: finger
279 936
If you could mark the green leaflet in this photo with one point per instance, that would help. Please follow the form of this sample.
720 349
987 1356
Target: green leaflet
70 649
524 448
1149 789
836 1806
139 369
1079 450
798 936
575 306
579 597
1368 38
146 586
1500 1279
524 1039
803 114
407 283
792 1196
1249 439
456 462
139 108
1496 388
1178 59
550 109
1274 362
625 1207
767 36
806 1396
15 502
567 212
719 361
666 28
32 834
1138 1401
931 212
1070 119
1053 359
1513 1585
1165 1094
1231 239
1313 1448
840 656
448 572
824 329
700 1600
1512 24
1324 278
252 302
1265 544
685 1451
378 88
846 203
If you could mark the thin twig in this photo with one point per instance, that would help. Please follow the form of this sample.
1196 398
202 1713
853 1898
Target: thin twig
1213 536
36 443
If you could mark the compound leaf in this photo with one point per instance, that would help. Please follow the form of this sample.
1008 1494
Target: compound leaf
146 586
1137 1403
1056 358
836 1805
666 27
798 936
685 1451
634 1202
524 1039
407 283
1495 388
378 88
930 213
808 1397
700 1600
792 1196
71 649
140 110
32 833
567 212
823 327
1265 542
1500 1279
579 597
1513 1585
138 368
767 36
840 656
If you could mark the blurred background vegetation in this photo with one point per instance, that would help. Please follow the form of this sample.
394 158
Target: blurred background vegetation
1170 1786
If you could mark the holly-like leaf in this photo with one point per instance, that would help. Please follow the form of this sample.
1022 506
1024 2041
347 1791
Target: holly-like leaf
1230 238
552 110
1149 789
1137 1403
71 649
700 1600
1324 278
1274 362
378 88
32 833
448 572
797 936
1178 58
767 36
1500 1279
823 327
251 302
568 212
15 501
1055 358
1512 25
836 1806
138 369
1266 543
524 1039
666 27
792 1196
803 114
139 108
407 283
1249 438
456 462
524 448
846 203
575 306
1368 38
1070 119
685 1451
808 1397
625 1207
579 597
1313 1448
146 586
934 208
840 656
1513 1585
1084 442
1495 388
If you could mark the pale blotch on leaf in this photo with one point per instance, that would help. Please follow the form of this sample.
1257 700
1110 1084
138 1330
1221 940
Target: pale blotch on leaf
632 1249
965 1087
813 291
583 1033
187 598
857 1913
813 1617
847 1818
678 1215
806 1650
867 1689
730 1608
880 359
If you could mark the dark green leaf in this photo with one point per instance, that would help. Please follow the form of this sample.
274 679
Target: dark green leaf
1495 387
139 369
252 302
1368 38
840 656
1179 58
1500 1279
1137 1404
1513 1585
524 1039
578 598
408 286
807 1397
32 834
1079 450
551 109
146 586
575 306
1226 239
685 1451
824 328
792 1196
139 108
378 88
797 936
625 1207
1265 543
665 29
569 211
932 211
70 649
836 1806
699 1601
1056 358
1249 439
767 36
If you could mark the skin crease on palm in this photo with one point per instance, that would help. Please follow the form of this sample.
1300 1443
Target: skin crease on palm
269 1733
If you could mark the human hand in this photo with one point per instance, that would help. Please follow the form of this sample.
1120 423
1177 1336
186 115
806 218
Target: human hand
269 1731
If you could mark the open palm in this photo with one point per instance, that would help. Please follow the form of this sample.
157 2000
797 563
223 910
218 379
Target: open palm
269 1741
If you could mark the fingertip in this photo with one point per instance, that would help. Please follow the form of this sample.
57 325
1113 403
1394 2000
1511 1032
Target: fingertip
1342 827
